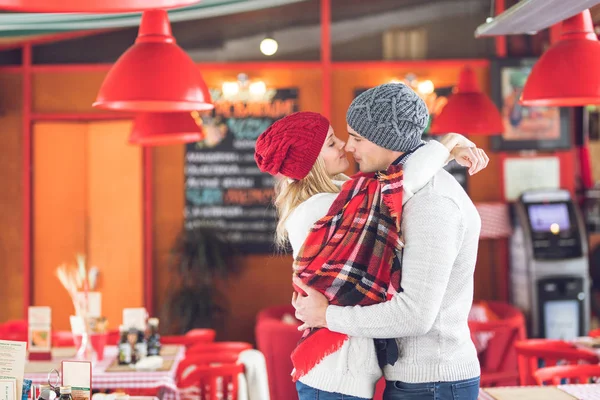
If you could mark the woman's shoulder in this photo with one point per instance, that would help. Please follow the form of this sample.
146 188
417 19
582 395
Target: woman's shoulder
317 204
304 216
311 210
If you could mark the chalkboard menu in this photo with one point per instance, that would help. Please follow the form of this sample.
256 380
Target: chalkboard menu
435 103
224 189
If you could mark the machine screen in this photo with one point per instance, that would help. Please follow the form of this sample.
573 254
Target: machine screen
549 217
561 319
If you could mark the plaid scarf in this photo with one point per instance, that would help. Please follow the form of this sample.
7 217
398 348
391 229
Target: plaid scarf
348 256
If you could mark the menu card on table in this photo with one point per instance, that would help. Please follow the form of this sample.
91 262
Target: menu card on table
135 318
78 375
8 389
39 333
528 393
12 367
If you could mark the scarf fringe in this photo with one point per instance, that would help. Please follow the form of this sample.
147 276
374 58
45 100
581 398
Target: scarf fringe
314 349
391 202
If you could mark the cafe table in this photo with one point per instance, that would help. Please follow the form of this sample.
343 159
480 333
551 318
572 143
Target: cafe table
107 376
561 392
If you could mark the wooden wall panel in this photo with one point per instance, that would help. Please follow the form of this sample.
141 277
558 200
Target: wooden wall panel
68 92
169 201
59 211
595 159
11 197
114 216
87 199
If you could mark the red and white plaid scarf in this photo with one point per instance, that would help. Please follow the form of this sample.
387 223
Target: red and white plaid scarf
348 256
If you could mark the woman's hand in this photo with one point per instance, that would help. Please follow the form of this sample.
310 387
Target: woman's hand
465 152
471 157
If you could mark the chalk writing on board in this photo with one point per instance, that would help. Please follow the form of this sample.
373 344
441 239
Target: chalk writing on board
224 189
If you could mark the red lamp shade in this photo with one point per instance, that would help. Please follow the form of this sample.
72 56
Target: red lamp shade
468 111
154 75
156 129
567 73
90 6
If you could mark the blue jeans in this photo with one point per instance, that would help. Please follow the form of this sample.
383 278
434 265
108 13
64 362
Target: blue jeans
458 390
306 392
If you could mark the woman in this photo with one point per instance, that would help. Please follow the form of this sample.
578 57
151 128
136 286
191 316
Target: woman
303 149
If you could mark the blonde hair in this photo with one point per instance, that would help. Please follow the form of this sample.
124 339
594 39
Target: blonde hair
289 194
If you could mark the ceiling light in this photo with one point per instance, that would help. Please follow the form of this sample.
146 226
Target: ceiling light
155 74
268 46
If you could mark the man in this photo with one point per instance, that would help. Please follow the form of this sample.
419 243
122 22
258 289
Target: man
440 227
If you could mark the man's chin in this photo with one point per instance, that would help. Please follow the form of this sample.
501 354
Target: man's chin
365 169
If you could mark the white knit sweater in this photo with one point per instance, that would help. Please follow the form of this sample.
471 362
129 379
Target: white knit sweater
441 228
353 369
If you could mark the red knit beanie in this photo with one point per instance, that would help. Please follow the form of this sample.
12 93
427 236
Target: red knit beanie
292 144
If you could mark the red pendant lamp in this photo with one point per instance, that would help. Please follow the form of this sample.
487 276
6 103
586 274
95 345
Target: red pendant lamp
567 73
468 111
154 75
90 6
156 129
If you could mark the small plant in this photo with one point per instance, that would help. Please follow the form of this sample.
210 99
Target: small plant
201 263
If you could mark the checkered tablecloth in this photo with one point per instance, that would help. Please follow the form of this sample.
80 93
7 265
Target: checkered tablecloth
162 381
584 391
581 392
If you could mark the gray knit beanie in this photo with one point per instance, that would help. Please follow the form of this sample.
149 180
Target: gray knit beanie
392 116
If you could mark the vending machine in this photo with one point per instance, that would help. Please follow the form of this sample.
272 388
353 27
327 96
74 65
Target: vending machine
549 265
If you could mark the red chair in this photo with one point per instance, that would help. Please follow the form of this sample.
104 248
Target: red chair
531 353
191 337
202 335
216 347
570 373
499 358
212 382
195 360
594 333
113 338
16 330
63 339
277 339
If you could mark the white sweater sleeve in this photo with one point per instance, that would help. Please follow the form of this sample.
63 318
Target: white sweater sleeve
422 165
433 230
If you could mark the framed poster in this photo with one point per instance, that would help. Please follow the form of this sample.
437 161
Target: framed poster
525 128
530 173
224 189
519 172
